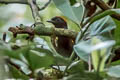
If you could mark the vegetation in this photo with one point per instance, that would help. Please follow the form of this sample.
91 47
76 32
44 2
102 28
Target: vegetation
26 50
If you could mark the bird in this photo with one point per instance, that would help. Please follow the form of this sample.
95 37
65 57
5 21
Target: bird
63 45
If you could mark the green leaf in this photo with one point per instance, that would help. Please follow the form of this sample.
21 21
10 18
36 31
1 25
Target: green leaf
22 65
118 3
81 51
59 60
78 37
4 46
117 32
100 55
72 2
17 74
40 59
84 48
105 13
115 63
114 71
6 50
83 76
22 51
76 67
101 26
73 13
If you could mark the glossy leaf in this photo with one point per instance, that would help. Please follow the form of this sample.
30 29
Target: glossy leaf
73 13
115 63
84 48
117 32
72 2
40 59
105 13
114 71
83 76
100 55
22 65
118 4
6 50
102 26
59 60
76 67
17 74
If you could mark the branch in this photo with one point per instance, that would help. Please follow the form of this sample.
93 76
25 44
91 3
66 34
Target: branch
35 11
101 4
104 7
45 5
45 31
89 19
14 1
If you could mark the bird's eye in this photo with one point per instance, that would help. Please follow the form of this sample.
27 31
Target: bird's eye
57 19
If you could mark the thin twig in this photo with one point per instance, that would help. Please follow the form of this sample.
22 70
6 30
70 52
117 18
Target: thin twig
71 60
104 7
35 11
89 64
14 1
82 34
88 20
44 5
115 6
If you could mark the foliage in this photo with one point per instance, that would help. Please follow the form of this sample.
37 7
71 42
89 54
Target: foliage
97 40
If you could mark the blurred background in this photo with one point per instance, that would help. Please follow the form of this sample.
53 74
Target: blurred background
12 15
15 14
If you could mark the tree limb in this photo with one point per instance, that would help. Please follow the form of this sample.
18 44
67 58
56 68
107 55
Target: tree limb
45 5
45 31
104 7
14 1
35 11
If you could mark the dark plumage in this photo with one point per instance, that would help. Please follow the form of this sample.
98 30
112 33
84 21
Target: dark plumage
63 45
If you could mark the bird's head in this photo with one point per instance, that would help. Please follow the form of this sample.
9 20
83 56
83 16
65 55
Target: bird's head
58 22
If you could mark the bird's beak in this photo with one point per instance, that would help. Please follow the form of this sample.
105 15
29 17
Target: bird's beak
50 21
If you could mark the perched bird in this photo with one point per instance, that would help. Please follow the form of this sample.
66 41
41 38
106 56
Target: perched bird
63 45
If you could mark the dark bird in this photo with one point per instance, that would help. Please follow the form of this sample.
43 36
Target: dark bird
63 45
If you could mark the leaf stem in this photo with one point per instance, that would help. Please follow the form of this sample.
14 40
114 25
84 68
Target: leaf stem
71 59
